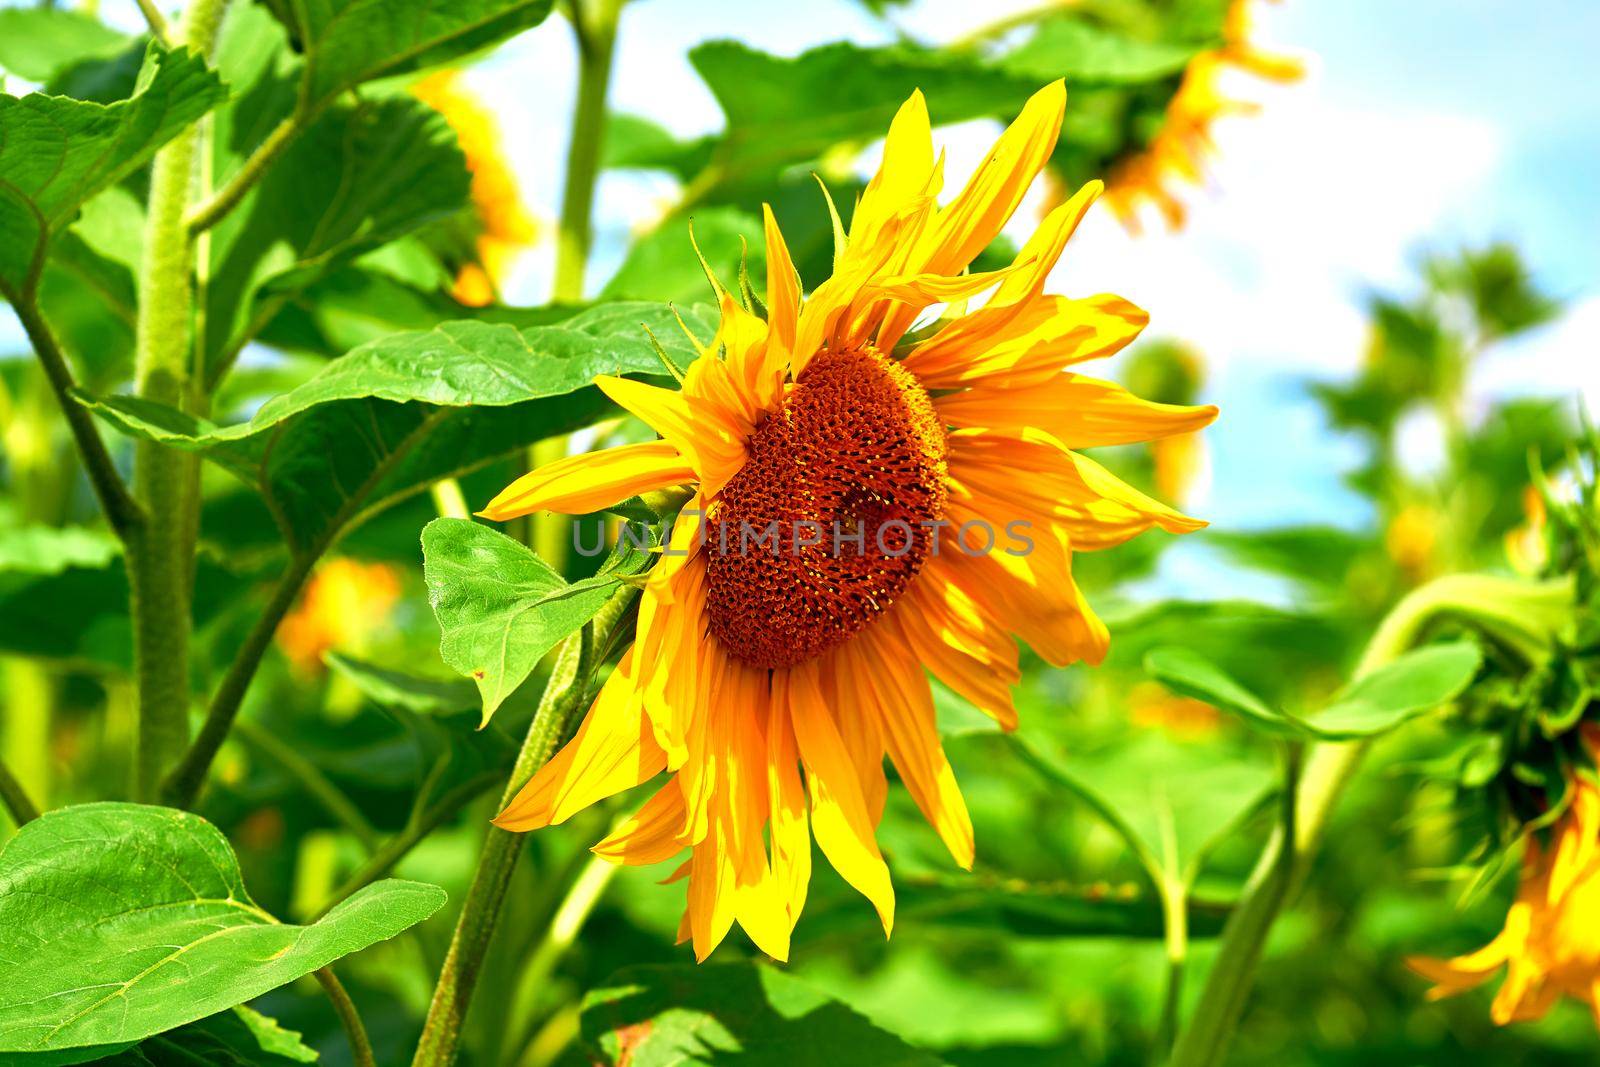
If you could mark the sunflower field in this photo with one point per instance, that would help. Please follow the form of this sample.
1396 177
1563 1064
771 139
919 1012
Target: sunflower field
866 533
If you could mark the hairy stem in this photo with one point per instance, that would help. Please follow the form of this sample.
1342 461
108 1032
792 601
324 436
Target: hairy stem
161 555
182 786
214 210
562 700
1519 616
360 1047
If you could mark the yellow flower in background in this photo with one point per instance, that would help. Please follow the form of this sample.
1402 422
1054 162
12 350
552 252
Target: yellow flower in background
344 604
1153 706
1412 539
1178 153
508 227
770 685
1525 545
1550 946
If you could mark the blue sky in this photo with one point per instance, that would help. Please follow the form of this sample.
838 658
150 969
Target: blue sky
1424 124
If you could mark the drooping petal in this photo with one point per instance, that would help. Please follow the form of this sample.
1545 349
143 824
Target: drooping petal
578 485
961 645
839 818
614 749
903 703
651 834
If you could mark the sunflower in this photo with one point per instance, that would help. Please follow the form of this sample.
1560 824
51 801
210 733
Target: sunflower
507 227
1551 942
1180 149
769 685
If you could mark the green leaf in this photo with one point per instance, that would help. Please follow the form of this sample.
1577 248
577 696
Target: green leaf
1015 907
51 550
785 111
360 177
396 689
347 42
662 264
501 608
396 415
121 921
1285 551
1069 47
37 41
1412 685
56 153
715 1013
238 1038
634 143
1192 675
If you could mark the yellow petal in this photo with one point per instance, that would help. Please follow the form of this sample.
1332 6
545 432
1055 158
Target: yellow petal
651 834
1025 344
578 485
839 818
903 703
783 286
1078 411
613 750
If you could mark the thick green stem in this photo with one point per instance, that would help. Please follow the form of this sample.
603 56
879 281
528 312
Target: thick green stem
349 1018
594 25
458 978
161 554
182 786
1519 616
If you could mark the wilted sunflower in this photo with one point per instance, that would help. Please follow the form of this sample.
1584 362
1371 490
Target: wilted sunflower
770 686
507 227
1179 151
1551 942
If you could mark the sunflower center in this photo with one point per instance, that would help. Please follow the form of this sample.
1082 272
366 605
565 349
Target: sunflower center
832 515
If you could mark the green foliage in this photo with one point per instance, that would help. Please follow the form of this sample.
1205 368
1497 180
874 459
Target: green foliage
348 42
652 1016
122 921
396 415
56 153
1413 684
501 607
39 42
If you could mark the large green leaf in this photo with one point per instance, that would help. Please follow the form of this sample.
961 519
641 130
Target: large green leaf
50 550
396 415
38 41
1087 54
56 153
120 921
361 176
718 1013
663 265
1412 685
784 111
501 608
347 42
1184 671
238 1038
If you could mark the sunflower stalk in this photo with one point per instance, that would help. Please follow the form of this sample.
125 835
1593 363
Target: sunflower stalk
562 701
161 551
1520 617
